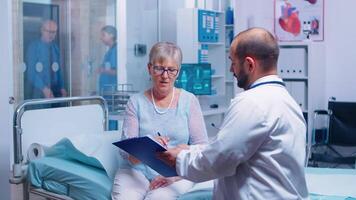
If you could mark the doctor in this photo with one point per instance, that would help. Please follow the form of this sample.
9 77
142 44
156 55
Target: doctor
260 150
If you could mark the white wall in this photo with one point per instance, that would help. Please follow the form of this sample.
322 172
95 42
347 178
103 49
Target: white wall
339 41
254 13
121 14
5 92
141 28
167 21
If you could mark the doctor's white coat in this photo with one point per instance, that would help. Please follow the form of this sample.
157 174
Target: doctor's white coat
259 152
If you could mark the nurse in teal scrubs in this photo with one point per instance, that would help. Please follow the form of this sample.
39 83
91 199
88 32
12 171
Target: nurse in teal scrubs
107 70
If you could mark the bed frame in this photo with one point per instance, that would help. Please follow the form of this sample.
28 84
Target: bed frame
19 165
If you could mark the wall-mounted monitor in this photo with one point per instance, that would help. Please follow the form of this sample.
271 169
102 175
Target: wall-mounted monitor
195 78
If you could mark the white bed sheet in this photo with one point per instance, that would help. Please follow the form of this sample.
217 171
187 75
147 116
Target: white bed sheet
331 182
321 181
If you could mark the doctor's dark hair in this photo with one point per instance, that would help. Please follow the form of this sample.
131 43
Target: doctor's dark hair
259 44
163 51
110 30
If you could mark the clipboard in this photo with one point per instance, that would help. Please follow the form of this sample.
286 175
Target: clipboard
145 149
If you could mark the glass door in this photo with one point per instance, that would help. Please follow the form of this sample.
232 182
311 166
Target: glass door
63 47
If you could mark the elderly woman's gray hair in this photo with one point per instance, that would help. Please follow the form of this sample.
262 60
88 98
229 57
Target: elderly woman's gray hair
163 51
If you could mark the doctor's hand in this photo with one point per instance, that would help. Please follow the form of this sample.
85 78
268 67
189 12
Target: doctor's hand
160 181
170 156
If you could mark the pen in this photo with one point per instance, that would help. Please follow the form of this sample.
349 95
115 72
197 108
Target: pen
163 141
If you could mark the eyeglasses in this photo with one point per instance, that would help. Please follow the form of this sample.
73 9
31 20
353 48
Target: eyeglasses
50 31
159 71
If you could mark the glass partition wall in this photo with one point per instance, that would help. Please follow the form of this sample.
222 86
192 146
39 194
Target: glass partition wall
79 47
60 42
59 46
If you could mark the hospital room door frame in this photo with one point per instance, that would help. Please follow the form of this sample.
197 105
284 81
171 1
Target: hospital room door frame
6 92
52 9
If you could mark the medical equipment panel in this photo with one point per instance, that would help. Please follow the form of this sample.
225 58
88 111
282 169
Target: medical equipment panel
197 49
208 26
203 53
195 78
200 34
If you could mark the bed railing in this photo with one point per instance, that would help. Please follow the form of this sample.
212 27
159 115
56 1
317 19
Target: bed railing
17 175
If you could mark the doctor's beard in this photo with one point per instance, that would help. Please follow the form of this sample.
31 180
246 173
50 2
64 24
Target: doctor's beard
242 80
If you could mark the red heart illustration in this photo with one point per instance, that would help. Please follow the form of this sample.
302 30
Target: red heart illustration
312 1
291 24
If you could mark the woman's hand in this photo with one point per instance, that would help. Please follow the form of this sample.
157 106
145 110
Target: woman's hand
160 181
162 140
133 160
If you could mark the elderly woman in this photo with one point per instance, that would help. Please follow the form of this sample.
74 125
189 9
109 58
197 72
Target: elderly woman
172 112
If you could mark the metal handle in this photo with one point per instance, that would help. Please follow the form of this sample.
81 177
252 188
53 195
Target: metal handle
11 100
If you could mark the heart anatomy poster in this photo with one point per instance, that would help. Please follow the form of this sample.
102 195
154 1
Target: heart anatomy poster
297 20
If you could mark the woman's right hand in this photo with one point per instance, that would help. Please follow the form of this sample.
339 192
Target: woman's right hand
162 140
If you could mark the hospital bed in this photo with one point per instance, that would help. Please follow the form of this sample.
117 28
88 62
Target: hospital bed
323 184
61 176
